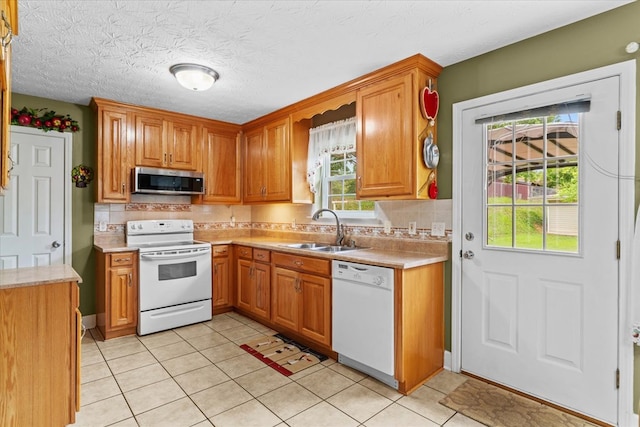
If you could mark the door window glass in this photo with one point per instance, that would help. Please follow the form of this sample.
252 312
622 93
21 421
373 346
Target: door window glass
532 191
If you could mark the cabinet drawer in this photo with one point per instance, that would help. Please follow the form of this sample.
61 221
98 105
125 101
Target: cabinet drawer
303 263
122 258
220 250
244 252
261 255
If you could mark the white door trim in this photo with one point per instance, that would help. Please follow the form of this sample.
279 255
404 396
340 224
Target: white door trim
627 73
68 146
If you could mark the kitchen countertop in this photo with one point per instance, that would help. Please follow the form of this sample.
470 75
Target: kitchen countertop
380 257
32 276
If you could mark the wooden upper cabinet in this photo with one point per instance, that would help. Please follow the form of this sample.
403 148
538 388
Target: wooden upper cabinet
114 154
254 165
182 145
165 142
384 139
151 140
278 160
267 163
222 165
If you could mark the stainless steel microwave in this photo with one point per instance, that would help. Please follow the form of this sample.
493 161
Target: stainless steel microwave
167 181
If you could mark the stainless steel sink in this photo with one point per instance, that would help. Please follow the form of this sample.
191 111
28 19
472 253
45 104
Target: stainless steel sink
321 247
333 248
306 245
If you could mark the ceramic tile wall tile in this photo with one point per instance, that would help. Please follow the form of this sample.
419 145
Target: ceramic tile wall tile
275 217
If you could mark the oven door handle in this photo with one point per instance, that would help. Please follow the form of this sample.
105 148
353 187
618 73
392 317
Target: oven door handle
179 255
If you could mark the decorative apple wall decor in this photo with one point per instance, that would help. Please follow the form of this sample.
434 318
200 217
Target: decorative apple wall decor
429 103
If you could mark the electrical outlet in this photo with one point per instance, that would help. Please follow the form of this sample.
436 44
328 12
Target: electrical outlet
102 226
232 221
412 227
293 223
437 229
387 227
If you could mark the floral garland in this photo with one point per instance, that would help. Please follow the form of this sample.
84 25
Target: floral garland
43 119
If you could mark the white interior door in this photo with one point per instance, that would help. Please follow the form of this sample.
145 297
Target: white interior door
539 277
34 228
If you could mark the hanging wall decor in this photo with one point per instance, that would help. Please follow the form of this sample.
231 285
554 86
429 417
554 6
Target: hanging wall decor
43 119
429 103
82 175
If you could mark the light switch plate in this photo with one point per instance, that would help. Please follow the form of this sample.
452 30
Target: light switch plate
102 226
437 229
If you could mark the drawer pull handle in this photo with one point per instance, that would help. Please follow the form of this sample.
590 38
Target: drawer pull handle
122 259
130 279
298 263
260 256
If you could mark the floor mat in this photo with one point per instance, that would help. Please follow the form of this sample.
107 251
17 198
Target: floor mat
282 354
496 407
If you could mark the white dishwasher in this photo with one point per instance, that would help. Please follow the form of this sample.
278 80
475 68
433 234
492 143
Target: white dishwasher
362 319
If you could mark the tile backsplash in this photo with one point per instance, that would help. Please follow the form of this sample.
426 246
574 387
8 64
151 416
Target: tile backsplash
110 219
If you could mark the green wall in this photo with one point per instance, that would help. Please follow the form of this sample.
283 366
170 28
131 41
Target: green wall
588 44
82 199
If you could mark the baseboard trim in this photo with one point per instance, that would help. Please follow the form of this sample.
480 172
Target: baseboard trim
89 321
447 360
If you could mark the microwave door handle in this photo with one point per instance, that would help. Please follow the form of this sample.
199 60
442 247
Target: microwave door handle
176 255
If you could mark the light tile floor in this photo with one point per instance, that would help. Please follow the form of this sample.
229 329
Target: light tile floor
197 375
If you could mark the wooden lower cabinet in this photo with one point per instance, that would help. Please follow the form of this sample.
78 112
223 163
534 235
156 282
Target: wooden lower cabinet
419 325
116 293
254 281
222 297
301 301
40 347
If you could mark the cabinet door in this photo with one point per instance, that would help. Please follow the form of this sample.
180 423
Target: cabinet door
315 316
285 304
277 157
245 284
384 143
182 146
114 163
151 137
254 166
221 295
221 167
262 301
122 298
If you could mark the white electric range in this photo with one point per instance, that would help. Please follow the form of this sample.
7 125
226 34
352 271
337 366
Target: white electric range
174 276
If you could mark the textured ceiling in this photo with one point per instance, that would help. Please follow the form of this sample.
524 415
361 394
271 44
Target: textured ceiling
269 54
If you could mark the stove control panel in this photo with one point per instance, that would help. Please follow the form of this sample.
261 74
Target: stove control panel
159 226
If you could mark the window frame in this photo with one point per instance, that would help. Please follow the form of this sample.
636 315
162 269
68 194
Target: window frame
326 184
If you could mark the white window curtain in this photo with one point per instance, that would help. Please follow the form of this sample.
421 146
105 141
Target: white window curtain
332 138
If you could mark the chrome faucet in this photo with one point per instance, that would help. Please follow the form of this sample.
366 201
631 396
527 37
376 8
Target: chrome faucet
339 229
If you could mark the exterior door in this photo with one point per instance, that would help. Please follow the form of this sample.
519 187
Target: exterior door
539 274
33 227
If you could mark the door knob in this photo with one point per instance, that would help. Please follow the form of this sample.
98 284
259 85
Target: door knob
55 244
468 255
469 236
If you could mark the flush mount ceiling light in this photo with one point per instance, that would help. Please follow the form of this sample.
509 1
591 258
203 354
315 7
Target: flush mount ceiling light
194 76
